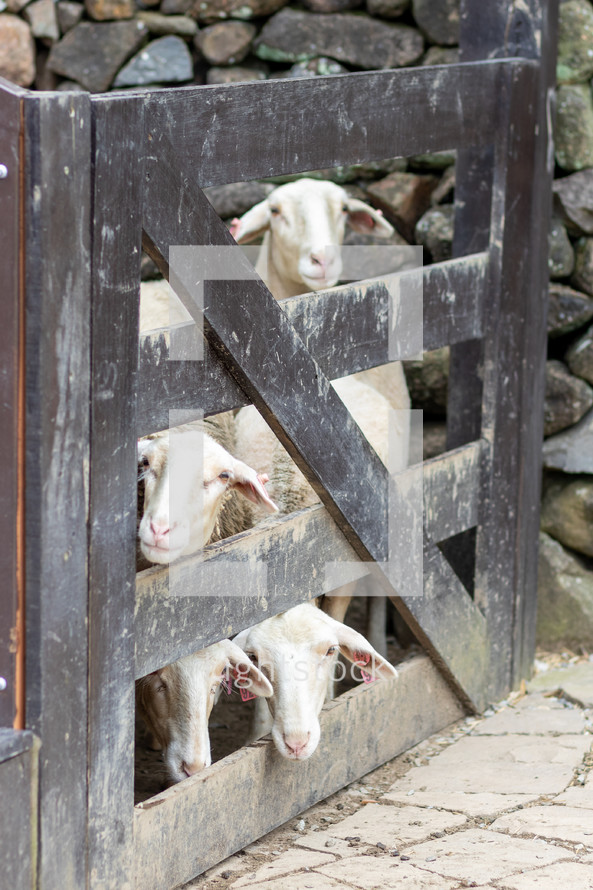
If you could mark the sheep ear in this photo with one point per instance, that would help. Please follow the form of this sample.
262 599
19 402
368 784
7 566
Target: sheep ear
252 486
358 650
246 674
251 224
365 219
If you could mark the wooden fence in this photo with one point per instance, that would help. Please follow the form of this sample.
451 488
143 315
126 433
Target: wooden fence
90 180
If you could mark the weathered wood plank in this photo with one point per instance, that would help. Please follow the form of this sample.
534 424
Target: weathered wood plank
57 300
173 618
446 106
451 307
173 840
117 196
463 632
10 331
18 790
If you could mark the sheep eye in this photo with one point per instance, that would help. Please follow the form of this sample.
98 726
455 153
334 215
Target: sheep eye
162 688
331 650
145 462
275 211
344 208
252 657
225 476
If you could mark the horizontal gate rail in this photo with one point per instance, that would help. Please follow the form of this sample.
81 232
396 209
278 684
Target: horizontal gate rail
445 106
175 839
452 296
295 550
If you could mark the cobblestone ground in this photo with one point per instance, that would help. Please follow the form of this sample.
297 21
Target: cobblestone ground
504 801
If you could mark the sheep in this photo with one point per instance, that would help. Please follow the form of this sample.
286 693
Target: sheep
175 703
304 224
297 650
206 480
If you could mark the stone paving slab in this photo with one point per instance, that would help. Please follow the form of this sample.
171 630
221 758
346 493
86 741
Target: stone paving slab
392 825
300 881
534 715
290 861
557 822
483 804
483 856
577 796
567 749
325 842
385 873
576 680
480 776
565 875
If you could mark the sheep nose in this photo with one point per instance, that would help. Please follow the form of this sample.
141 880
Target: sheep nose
159 529
190 769
319 259
296 744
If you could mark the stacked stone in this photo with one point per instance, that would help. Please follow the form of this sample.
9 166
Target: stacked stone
102 45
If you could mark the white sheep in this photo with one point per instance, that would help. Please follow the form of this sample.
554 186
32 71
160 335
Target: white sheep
304 224
191 484
297 651
175 703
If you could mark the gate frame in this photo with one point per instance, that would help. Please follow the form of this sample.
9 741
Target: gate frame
80 332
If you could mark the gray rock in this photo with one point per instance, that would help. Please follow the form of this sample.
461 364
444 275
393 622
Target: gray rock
567 398
580 356
573 200
560 251
41 15
92 53
427 381
575 42
108 10
387 9
176 7
70 86
437 160
441 55
316 67
567 512
235 74
328 6
225 43
44 78
582 276
17 50
161 25
568 310
294 36
236 198
435 232
166 60
565 597
571 450
15 5
69 14
573 141
438 19
209 11
403 198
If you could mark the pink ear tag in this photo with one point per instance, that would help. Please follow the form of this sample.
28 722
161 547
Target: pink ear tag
367 677
240 678
246 695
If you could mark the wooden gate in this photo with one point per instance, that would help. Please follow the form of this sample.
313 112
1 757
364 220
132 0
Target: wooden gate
103 176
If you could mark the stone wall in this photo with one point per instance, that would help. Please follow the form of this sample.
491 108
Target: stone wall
117 44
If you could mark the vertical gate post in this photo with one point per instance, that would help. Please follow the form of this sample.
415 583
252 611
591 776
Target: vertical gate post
57 269
118 147
508 531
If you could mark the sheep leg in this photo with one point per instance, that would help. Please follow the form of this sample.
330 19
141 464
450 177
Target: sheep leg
262 721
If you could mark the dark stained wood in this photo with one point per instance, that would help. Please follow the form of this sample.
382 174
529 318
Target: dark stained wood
116 271
445 106
10 329
18 790
57 263
175 618
451 305
173 839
